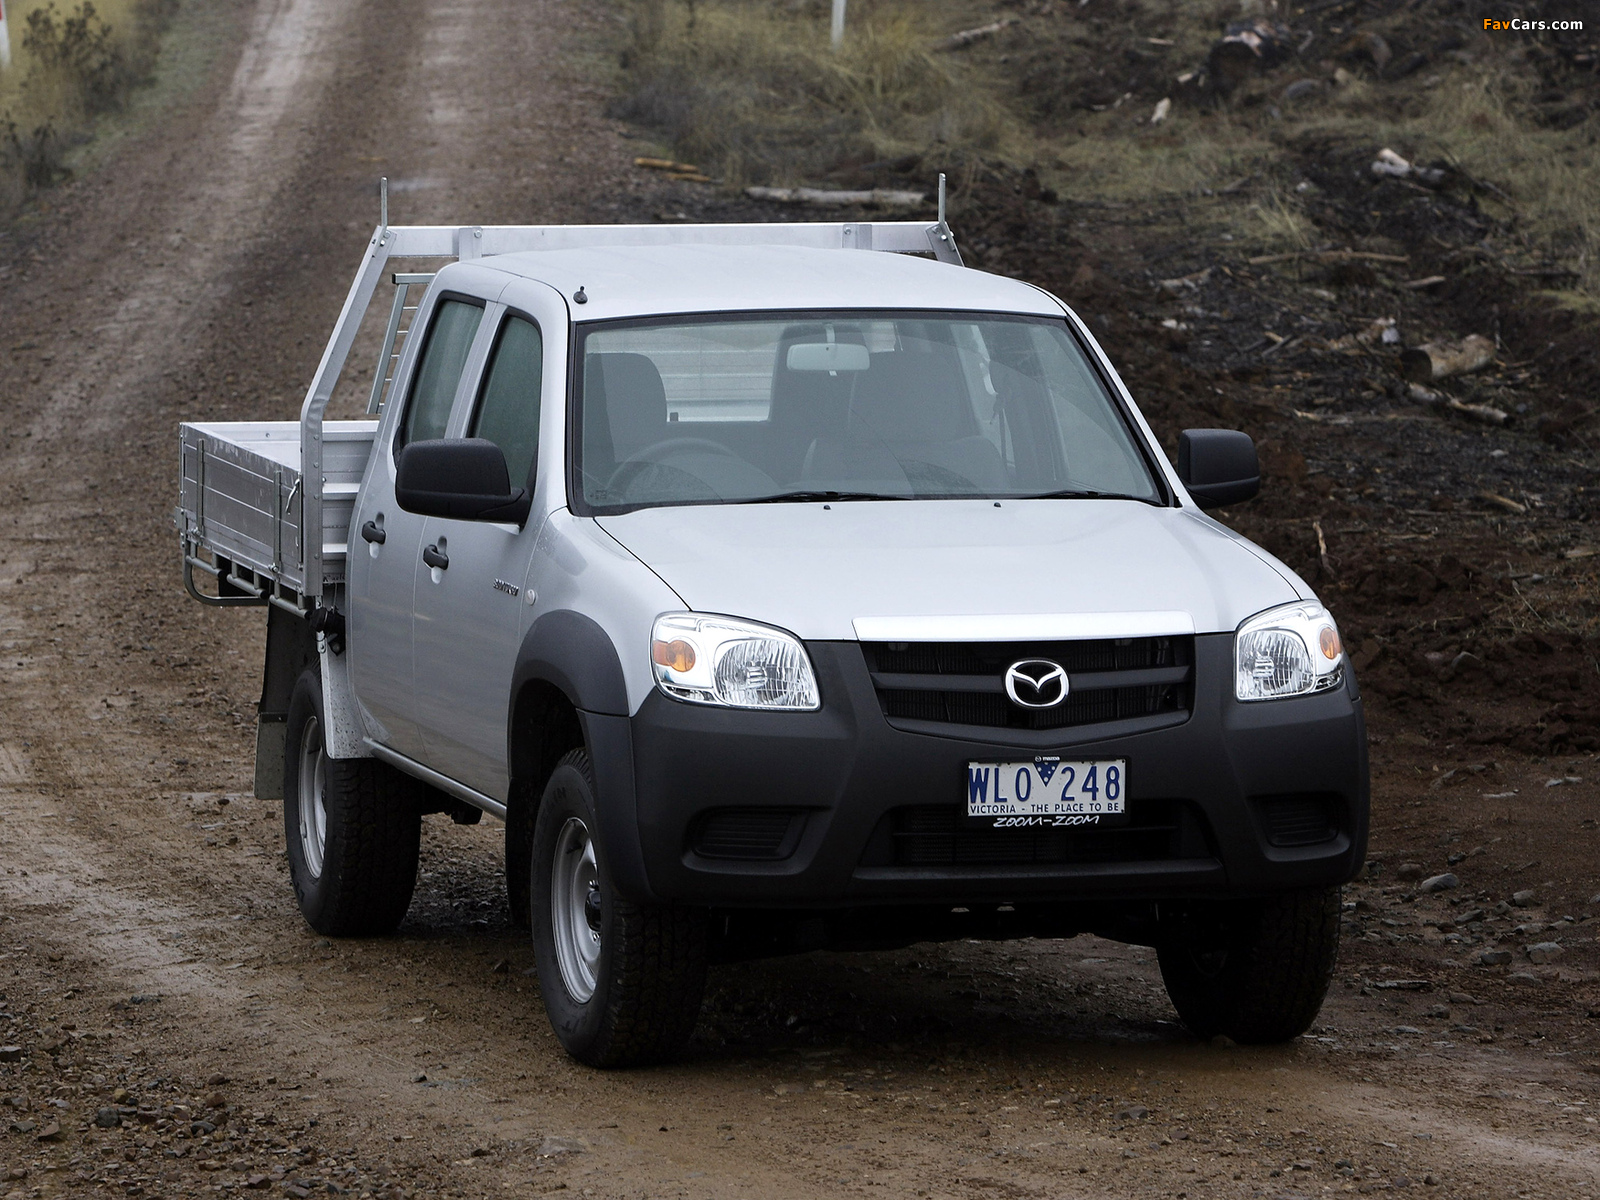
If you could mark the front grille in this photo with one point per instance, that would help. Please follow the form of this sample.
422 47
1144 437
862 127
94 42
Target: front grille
938 835
963 683
1301 819
768 834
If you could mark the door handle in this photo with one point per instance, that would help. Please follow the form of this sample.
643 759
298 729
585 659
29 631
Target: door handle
436 558
373 532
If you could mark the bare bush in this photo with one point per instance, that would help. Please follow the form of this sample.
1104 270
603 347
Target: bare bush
73 67
76 59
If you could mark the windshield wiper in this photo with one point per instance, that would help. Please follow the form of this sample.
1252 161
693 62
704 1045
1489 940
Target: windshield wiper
786 497
1086 494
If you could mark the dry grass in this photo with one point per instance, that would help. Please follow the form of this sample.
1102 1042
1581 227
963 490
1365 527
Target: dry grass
1122 158
1280 224
752 90
68 66
1479 120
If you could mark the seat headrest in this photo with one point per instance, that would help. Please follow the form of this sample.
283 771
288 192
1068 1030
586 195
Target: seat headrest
625 402
914 396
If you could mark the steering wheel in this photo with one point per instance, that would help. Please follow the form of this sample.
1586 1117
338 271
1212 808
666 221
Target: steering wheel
625 474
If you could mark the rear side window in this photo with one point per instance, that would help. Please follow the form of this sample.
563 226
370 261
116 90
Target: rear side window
455 324
508 408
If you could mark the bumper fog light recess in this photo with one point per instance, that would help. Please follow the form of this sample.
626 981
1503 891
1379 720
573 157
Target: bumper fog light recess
1293 650
735 664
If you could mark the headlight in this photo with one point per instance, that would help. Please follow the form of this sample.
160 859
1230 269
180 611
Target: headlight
1289 651
737 664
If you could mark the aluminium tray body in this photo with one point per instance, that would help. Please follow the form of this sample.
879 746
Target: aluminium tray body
241 495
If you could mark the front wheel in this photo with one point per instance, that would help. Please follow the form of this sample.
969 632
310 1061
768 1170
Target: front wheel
353 827
622 982
1255 972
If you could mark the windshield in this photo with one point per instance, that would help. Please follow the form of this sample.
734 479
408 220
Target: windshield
857 406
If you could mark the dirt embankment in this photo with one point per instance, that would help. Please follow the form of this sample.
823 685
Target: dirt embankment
177 1030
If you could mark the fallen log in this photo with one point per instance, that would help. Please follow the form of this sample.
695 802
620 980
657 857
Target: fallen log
1486 413
1362 255
823 198
1440 360
958 41
666 164
1505 502
1328 256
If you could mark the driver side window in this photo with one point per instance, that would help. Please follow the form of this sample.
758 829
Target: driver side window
508 406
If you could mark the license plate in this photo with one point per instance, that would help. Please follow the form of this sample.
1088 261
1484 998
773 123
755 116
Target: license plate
1047 792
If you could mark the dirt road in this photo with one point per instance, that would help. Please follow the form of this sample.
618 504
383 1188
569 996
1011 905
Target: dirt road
178 1029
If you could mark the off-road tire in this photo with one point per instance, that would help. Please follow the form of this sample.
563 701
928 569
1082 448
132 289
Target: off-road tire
650 976
1254 972
368 871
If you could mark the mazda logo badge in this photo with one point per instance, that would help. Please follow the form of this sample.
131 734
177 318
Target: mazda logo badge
1036 683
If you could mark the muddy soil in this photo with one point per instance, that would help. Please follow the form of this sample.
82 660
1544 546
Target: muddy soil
169 1026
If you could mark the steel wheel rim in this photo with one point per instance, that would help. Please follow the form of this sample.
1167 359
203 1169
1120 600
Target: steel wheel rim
313 811
574 895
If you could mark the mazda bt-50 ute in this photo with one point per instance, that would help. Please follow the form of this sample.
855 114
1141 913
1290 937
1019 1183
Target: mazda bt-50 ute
779 587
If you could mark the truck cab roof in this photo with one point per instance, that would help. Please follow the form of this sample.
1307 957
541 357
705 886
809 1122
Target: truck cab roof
636 281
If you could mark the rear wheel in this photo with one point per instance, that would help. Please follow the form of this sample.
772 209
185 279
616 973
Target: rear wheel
1253 972
353 828
622 982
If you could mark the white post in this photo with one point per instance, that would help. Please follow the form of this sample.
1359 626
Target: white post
838 22
5 39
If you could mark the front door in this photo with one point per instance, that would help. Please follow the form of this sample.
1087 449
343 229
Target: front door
471 607
386 542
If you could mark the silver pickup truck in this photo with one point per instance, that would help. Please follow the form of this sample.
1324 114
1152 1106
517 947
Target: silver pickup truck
780 587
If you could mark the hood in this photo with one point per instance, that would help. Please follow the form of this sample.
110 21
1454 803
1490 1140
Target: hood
930 569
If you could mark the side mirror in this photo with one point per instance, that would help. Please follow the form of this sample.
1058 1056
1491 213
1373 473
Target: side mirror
1218 466
464 478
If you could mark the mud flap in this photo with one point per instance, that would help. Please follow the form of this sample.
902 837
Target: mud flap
272 735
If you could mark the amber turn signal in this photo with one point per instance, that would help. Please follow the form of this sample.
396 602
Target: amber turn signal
1329 640
676 655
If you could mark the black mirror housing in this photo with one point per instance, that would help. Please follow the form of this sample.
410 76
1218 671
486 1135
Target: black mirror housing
463 478
1218 466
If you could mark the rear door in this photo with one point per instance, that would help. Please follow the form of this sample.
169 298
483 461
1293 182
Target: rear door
471 613
385 541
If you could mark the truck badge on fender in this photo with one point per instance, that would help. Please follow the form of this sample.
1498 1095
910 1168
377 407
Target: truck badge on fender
510 589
